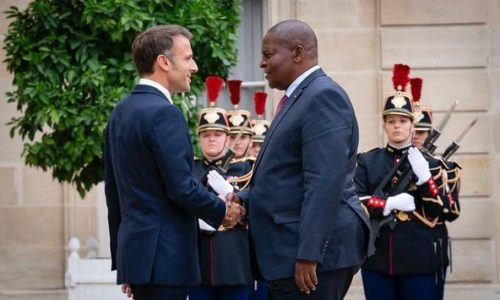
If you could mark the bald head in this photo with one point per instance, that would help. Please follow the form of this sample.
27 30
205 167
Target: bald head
296 33
289 49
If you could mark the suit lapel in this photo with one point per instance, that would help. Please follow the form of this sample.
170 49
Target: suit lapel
279 117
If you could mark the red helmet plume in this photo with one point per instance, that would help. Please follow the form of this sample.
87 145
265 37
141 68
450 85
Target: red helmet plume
213 85
234 91
400 76
259 98
416 88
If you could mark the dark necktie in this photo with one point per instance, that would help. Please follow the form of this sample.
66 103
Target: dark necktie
281 104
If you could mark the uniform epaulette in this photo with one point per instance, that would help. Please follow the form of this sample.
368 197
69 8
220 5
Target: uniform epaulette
244 179
196 158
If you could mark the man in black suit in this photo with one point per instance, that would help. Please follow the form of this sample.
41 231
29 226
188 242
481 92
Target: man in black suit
152 196
307 225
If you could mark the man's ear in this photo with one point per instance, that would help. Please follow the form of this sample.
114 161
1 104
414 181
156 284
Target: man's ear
163 62
298 53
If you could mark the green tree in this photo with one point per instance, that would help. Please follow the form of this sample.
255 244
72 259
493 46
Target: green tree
71 61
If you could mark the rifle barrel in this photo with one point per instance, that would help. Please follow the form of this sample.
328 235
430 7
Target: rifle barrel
466 130
446 117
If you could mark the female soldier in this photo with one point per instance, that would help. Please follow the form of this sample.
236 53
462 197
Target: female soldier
448 189
402 213
223 252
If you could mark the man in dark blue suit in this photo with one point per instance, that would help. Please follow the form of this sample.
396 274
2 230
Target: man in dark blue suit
308 229
152 196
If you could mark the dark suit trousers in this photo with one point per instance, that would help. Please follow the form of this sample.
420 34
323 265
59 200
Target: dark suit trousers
332 285
158 292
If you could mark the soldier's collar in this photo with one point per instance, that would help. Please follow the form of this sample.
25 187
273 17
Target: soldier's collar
396 150
215 162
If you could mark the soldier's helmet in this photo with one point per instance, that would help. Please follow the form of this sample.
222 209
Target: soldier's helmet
212 117
422 114
399 102
260 126
237 117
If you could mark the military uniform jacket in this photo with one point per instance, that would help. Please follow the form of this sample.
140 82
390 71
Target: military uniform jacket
410 246
449 191
224 255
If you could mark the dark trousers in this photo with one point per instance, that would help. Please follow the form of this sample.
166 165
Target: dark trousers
379 286
229 292
441 278
332 285
259 291
158 292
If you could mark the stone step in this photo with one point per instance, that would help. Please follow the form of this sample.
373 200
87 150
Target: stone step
453 291
34 295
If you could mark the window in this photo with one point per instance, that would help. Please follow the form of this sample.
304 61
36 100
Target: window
247 68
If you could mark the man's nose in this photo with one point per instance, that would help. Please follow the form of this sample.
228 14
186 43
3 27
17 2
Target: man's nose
262 64
194 69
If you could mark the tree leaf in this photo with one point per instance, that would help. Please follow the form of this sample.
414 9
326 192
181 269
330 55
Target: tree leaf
71 62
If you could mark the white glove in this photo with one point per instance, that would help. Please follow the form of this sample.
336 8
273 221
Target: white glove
419 165
219 184
205 226
403 202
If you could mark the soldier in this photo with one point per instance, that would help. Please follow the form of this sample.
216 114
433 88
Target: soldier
448 190
239 119
259 125
223 253
403 209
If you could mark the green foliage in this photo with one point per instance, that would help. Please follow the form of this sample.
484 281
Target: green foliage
72 63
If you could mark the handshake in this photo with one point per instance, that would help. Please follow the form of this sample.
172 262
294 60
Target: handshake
234 209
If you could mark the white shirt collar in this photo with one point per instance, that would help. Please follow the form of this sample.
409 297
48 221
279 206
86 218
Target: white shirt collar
399 147
289 91
155 84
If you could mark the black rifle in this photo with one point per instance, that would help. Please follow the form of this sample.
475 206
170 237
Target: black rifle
453 147
430 142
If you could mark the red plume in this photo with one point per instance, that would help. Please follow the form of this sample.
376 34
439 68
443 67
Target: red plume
400 76
416 88
259 99
214 86
234 91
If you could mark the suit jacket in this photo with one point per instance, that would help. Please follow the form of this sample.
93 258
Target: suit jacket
152 196
302 201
